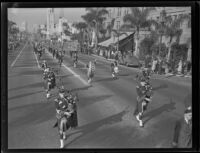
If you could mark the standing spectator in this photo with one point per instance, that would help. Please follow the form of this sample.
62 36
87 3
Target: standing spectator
116 55
173 66
146 61
160 65
189 67
180 65
112 54
154 63
183 131
157 66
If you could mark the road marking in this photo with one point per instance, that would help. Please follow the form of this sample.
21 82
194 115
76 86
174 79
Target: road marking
37 60
75 74
18 55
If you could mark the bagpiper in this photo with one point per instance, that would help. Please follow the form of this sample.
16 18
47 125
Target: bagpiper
65 110
91 70
145 93
51 82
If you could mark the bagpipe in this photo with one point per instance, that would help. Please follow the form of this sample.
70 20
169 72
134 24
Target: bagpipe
143 89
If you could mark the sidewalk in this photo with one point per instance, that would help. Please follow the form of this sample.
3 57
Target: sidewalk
112 60
169 77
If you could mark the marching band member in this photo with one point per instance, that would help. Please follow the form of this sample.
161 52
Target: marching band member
75 60
91 70
44 65
61 105
145 92
65 113
51 82
114 69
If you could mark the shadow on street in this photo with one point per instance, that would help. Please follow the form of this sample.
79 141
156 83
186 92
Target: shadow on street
88 128
156 112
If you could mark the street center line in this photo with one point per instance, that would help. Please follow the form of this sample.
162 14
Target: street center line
37 60
18 55
75 74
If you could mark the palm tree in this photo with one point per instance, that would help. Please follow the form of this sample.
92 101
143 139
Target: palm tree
170 29
81 26
110 26
12 29
173 31
94 18
137 20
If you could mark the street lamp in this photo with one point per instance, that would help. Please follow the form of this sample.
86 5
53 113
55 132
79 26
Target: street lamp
161 30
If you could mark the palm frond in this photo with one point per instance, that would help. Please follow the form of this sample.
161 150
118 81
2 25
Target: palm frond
102 12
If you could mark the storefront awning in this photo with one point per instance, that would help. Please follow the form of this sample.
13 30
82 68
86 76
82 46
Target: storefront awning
114 40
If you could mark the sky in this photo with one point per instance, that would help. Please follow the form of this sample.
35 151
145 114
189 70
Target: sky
38 15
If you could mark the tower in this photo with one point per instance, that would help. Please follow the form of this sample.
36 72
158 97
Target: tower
50 22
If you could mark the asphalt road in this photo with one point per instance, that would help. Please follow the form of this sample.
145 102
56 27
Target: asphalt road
105 109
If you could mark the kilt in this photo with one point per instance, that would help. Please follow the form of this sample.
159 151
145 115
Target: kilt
74 120
63 123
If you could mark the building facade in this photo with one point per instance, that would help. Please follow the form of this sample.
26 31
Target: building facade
118 13
24 26
50 22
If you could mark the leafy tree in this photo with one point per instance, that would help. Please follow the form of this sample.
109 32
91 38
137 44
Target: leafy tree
172 30
81 26
146 45
110 27
179 52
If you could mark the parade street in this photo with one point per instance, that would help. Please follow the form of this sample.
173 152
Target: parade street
105 108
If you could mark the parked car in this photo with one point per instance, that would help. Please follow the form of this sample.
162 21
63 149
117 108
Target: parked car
131 61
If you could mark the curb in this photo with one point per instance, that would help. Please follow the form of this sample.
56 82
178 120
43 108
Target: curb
112 60
136 69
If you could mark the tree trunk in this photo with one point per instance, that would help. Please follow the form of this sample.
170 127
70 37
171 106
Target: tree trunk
136 53
168 58
118 43
189 54
160 43
169 52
